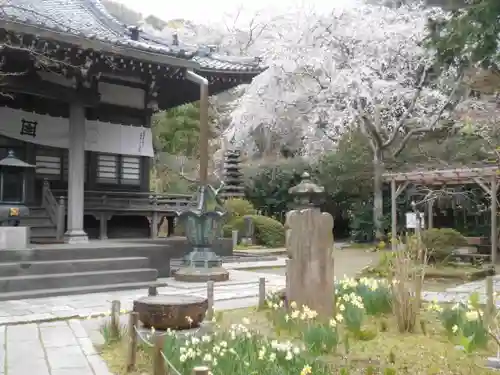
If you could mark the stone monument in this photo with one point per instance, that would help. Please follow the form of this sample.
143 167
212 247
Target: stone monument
248 231
309 243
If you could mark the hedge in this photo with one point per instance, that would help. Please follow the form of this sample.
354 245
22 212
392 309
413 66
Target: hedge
441 243
268 231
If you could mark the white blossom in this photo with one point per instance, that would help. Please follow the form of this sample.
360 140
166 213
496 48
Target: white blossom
326 72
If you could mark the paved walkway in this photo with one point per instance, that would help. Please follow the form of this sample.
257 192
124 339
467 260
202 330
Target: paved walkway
56 348
65 347
240 290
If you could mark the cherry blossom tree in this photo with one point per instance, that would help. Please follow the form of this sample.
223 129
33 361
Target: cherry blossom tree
361 66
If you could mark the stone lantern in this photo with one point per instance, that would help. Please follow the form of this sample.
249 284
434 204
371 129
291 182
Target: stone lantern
12 203
13 189
202 222
307 194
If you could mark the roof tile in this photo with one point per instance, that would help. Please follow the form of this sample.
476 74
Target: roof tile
90 19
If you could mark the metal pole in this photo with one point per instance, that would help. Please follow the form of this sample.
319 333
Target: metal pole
204 128
494 189
394 222
430 214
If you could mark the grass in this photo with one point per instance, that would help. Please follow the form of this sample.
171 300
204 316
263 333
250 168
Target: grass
417 353
360 246
438 277
459 272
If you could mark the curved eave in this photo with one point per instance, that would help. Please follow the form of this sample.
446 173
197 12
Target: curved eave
86 43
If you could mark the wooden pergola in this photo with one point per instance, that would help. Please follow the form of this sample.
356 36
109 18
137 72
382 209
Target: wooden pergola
485 177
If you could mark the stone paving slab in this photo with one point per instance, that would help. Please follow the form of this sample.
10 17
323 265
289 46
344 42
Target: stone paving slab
280 262
242 285
52 348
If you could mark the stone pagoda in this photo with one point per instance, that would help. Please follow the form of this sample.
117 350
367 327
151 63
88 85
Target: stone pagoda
233 178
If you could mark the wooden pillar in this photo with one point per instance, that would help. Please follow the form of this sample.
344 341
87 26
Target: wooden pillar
171 225
76 174
493 196
394 219
103 226
430 214
155 222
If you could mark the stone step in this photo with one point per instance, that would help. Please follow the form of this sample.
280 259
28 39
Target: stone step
54 292
43 231
46 240
35 220
38 212
71 266
79 279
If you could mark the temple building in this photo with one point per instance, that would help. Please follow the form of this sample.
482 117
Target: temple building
78 92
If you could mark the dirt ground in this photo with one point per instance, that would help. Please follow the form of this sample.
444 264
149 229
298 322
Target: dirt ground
348 262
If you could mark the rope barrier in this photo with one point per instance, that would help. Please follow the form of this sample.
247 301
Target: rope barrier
144 340
169 364
151 345
155 340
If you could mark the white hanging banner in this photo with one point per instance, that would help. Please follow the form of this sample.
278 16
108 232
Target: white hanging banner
54 132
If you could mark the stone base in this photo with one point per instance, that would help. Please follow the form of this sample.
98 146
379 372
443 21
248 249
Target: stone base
493 362
174 312
246 241
76 237
14 238
200 275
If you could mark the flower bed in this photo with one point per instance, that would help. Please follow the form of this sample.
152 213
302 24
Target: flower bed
362 338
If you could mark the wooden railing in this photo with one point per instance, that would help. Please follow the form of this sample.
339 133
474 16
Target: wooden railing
55 210
132 201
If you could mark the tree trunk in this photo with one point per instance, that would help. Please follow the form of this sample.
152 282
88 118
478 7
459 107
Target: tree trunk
378 199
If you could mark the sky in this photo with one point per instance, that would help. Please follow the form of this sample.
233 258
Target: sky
212 11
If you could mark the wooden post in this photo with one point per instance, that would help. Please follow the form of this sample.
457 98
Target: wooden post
152 291
61 218
201 370
103 226
45 187
288 282
155 221
158 361
430 214
262 292
394 220
210 298
132 345
115 319
490 299
494 238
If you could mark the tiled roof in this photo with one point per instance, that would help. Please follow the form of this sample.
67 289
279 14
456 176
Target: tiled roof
89 19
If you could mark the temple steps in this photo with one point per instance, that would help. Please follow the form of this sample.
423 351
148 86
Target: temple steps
75 279
9 269
42 229
43 273
42 293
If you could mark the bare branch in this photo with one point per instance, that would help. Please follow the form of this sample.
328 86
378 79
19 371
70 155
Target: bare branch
432 126
408 111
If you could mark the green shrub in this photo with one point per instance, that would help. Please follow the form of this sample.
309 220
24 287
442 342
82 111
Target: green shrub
440 243
237 207
268 231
